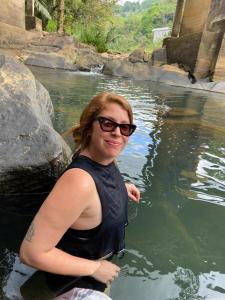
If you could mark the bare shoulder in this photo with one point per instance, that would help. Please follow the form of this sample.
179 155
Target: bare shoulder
77 176
74 188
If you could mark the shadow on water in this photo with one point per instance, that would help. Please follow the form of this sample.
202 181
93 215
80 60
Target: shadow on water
175 239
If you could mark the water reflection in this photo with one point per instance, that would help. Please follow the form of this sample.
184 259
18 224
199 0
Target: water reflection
176 238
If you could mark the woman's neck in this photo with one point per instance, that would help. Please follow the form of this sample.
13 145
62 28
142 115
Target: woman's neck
89 153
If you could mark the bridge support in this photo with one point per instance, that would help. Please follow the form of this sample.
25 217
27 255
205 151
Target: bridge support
208 53
178 18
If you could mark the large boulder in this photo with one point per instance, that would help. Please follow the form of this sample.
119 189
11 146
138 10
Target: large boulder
32 153
48 60
159 57
138 55
124 68
87 59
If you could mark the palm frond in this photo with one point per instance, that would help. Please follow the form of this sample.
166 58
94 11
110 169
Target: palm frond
42 9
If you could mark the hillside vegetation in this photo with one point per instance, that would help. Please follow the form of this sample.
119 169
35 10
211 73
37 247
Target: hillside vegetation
107 25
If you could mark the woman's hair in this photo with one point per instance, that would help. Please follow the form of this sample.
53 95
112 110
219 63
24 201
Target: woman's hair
81 131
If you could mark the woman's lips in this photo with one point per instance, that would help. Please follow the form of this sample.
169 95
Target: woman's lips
113 143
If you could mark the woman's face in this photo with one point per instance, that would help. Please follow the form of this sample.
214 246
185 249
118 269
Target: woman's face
106 146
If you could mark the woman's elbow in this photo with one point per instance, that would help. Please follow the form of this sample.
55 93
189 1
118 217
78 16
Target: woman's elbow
27 256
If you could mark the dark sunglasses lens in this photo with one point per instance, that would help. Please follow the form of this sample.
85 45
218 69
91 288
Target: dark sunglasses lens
107 125
126 129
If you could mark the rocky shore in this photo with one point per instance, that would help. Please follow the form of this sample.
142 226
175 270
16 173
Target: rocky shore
51 50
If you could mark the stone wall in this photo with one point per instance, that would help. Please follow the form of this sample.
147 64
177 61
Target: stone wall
12 12
195 16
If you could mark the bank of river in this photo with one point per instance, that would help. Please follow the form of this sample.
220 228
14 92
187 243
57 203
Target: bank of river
175 238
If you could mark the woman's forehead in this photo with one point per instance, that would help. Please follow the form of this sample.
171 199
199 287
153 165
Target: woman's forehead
115 112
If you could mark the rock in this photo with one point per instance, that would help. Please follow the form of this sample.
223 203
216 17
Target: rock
48 60
181 112
61 52
142 71
32 153
159 57
13 37
124 68
86 59
111 66
138 55
51 51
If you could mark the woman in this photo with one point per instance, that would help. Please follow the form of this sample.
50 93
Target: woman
82 222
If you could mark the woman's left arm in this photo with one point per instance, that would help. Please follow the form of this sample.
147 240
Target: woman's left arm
133 192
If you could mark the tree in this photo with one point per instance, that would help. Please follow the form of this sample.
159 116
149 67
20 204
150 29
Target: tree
60 21
160 14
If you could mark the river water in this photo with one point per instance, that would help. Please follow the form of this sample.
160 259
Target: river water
175 242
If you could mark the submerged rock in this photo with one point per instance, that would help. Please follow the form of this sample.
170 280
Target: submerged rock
32 153
181 112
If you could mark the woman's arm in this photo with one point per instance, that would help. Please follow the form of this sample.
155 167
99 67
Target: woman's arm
133 192
64 205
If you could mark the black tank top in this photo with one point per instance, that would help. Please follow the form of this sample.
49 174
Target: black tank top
109 237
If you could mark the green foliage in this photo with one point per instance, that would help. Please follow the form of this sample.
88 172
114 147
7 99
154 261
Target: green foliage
52 26
41 8
94 34
160 14
92 22
44 9
127 34
135 29
109 26
133 7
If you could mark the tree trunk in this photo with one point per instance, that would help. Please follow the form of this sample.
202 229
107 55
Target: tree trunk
60 24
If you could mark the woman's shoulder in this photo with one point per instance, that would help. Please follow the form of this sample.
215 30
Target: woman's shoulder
72 189
77 176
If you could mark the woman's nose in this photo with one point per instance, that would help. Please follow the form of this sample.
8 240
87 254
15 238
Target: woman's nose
116 131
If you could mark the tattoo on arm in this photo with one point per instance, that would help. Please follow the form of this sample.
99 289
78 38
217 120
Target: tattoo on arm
30 233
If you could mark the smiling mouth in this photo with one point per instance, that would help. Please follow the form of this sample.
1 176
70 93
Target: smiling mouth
113 143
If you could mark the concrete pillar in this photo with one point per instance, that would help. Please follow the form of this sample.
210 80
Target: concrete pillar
208 53
30 7
178 18
13 12
211 41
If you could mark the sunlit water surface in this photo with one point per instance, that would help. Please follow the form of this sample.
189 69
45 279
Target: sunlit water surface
176 237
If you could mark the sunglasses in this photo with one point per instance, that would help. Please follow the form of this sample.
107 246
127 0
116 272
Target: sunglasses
109 126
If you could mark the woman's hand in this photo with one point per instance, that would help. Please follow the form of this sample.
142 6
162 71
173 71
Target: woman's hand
133 192
106 272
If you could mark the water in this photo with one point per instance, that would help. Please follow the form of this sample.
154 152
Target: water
175 239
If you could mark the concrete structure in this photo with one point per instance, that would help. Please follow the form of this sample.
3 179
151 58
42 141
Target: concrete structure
160 33
13 12
13 23
197 39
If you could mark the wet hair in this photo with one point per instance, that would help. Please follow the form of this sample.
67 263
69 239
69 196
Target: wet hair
81 131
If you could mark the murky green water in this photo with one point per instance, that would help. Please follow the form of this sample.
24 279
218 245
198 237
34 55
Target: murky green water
176 236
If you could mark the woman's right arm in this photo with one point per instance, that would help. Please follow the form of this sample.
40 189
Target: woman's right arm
64 205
